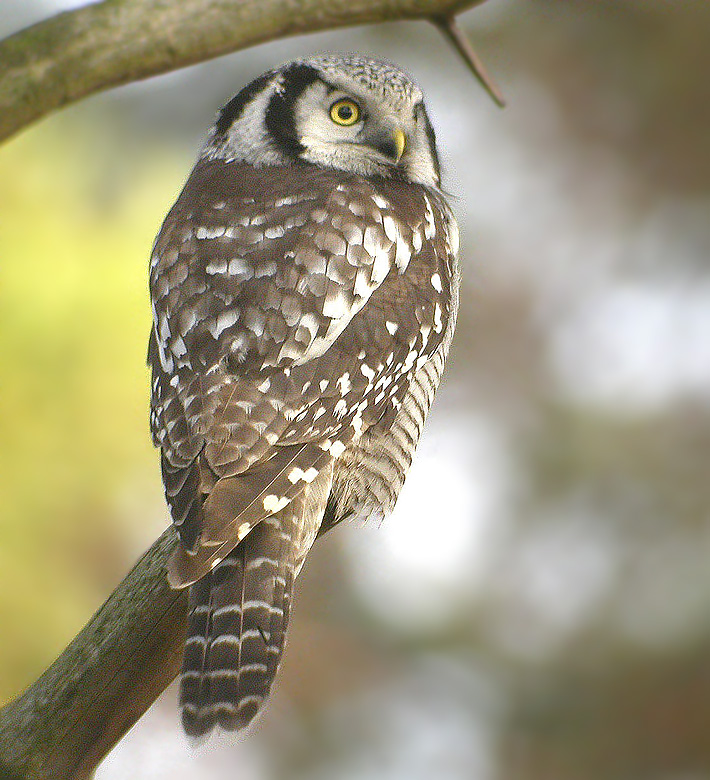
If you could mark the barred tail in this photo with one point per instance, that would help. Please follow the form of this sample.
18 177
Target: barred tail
239 613
237 626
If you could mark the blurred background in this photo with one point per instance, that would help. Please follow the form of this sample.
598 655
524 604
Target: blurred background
538 606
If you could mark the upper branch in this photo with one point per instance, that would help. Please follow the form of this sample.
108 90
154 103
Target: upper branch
74 54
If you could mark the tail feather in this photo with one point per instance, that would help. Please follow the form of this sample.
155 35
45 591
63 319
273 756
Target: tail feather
239 613
193 679
237 626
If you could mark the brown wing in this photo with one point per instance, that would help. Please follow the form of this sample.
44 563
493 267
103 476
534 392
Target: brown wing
265 361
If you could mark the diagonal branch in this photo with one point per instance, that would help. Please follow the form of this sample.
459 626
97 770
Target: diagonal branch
67 721
78 53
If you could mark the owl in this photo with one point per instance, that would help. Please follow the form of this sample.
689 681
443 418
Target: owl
304 289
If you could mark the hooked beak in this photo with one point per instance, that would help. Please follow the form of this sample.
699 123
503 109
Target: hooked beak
400 141
391 142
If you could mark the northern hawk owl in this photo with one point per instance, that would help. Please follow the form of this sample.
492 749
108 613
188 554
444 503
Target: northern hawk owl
304 290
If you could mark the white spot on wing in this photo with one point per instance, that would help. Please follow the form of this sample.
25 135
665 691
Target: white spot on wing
216 267
238 266
403 253
438 325
390 228
363 287
337 448
178 347
335 306
344 383
274 503
371 241
310 322
295 475
429 227
203 232
367 371
380 202
381 266
243 530
223 321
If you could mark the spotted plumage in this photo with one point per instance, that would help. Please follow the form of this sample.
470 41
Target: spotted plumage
304 289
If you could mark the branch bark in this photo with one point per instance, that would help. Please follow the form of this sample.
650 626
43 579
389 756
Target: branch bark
78 53
68 720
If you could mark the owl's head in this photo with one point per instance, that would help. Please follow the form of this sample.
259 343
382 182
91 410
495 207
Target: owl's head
345 111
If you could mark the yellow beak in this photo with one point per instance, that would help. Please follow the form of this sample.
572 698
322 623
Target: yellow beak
400 140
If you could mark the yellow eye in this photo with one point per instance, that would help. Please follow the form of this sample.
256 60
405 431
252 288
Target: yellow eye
345 112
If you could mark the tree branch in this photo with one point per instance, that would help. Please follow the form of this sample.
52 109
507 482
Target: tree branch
78 53
66 722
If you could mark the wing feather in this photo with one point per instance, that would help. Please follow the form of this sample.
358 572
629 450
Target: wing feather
266 362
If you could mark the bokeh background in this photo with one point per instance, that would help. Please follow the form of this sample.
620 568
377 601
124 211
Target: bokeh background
538 607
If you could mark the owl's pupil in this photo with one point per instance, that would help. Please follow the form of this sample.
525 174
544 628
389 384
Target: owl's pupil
345 113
